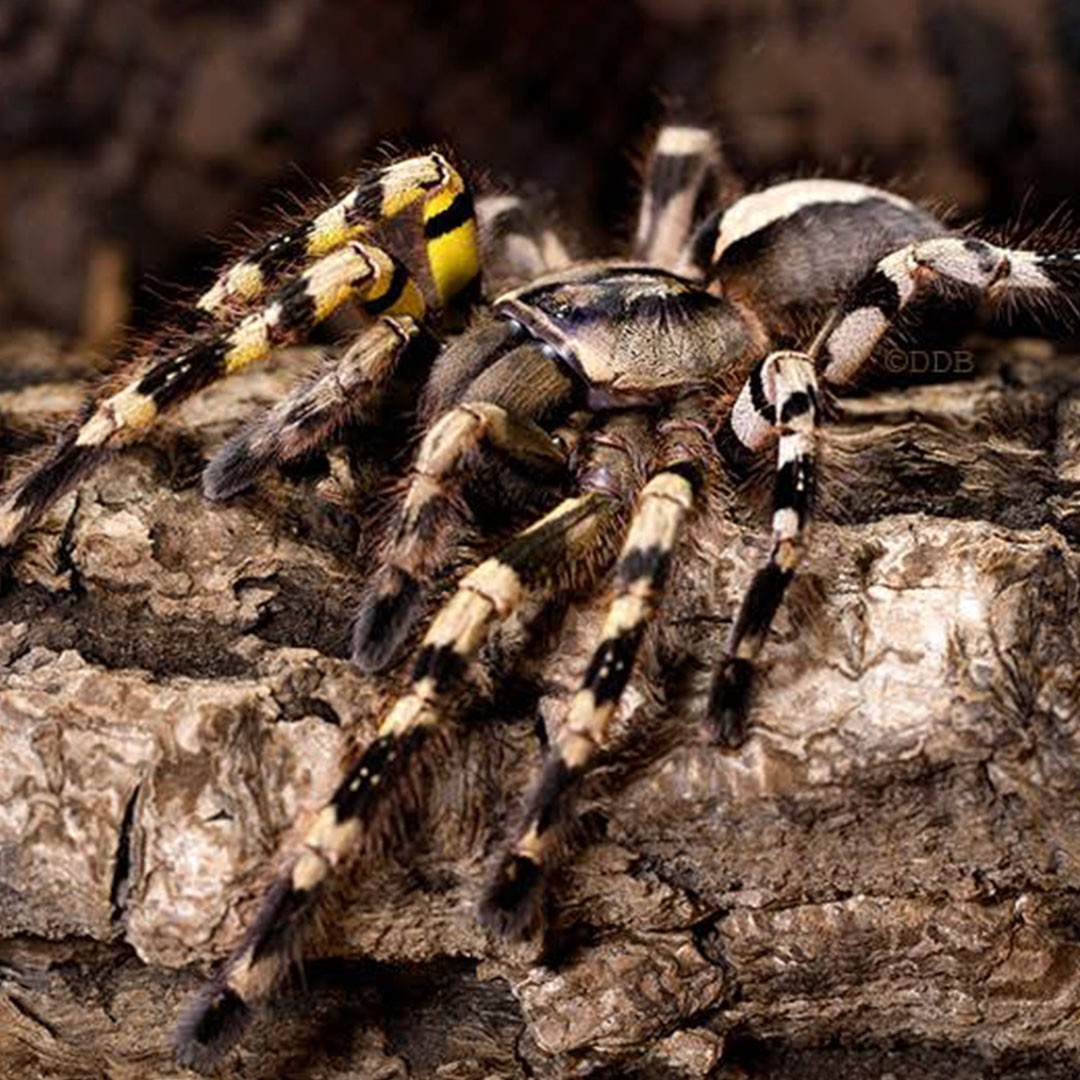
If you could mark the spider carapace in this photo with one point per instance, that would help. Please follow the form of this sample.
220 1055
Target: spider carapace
595 407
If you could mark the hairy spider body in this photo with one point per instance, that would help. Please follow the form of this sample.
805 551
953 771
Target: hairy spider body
592 406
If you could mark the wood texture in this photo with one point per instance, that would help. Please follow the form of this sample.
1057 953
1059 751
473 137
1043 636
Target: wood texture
883 881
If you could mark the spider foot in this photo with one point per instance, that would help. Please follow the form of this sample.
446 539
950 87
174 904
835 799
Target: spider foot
511 904
729 703
212 1025
387 614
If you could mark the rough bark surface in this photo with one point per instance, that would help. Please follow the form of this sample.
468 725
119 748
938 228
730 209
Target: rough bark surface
884 880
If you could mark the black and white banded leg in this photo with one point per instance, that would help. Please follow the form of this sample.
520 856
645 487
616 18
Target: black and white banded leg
681 185
512 901
847 341
780 397
364 814
493 433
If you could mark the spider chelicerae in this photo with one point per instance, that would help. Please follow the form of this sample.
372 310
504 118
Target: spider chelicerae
593 406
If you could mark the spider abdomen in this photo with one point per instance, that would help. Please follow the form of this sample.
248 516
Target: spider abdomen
799 246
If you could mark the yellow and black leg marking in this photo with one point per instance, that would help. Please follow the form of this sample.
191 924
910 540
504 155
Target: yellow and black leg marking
366 809
317 413
512 901
449 225
847 342
517 246
355 273
428 531
789 387
681 186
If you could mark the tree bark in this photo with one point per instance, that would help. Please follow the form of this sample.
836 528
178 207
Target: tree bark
883 880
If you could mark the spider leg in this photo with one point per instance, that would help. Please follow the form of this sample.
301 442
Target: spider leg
682 178
780 396
847 341
313 415
448 222
516 244
497 422
511 902
122 414
365 811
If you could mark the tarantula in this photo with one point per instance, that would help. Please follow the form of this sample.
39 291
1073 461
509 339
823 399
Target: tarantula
603 400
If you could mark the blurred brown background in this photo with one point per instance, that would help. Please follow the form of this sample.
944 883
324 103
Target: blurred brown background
133 133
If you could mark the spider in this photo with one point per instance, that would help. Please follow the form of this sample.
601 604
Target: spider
595 407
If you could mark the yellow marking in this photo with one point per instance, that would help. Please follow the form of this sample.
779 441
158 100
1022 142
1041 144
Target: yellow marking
454 258
242 281
497 583
128 412
411 302
407 181
461 622
246 280
408 712
532 846
343 274
133 409
383 269
310 870
440 200
249 342
788 554
331 838
331 229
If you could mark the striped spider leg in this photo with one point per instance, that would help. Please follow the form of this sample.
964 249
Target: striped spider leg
780 397
346 270
682 181
498 433
840 353
563 550
449 232
491 399
512 900
347 394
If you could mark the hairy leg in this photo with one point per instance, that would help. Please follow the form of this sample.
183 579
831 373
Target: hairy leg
846 343
125 409
494 432
682 180
561 550
348 393
779 397
448 222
